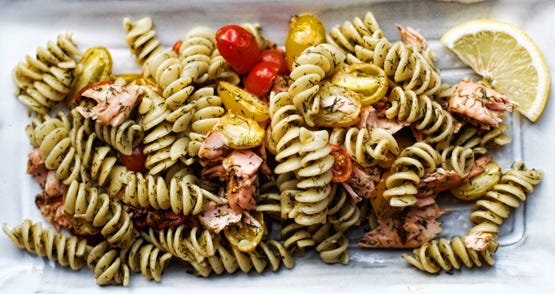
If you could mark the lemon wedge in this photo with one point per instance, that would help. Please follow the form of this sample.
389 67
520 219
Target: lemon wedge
507 59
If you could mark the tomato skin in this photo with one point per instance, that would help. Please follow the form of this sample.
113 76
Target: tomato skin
261 78
342 168
277 57
177 46
136 161
239 47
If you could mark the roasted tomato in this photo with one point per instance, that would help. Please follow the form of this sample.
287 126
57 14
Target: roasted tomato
261 78
241 102
339 107
136 161
305 30
239 47
364 78
94 66
342 168
277 57
177 46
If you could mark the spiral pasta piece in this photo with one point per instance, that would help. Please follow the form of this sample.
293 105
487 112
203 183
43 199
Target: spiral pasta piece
190 244
87 207
435 256
435 123
363 41
141 38
56 246
123 138
107 266
181 194
331 245
458 159
195 54
309 69
480 140
46 79
52 138
407 170
221 70
364 146
343 212
229 259
494 207
145 258
349 37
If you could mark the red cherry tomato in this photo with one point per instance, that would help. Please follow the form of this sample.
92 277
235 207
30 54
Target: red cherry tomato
177 46
277 57
342 168
77 96
260 78
239 47
136 161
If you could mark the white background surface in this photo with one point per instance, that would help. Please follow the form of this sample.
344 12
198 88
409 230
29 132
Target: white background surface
526 261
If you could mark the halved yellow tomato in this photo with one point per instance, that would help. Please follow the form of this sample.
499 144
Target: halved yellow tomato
241 132
339 106
480 184
241 102
367 79
245 236
94 66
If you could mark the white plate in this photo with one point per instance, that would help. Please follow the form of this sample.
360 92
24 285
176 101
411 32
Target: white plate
526 259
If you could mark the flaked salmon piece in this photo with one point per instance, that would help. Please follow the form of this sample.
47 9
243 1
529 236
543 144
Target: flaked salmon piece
478 241
415 227
218 217
480 103
36 167
214 147
240 193
438 181
53 186
113 103
362 183
372 118
52 209
242 163
478 167
280 84
411 36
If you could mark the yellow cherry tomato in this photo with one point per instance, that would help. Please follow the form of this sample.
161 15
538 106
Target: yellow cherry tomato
240 132
368 79
246 236
94 66
339 106
480 184
305 30
241 102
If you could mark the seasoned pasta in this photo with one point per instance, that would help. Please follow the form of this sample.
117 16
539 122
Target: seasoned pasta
181 161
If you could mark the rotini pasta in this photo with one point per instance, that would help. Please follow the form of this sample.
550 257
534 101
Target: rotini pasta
141 38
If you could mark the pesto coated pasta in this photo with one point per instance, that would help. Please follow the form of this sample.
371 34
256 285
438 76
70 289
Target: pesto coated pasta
188 160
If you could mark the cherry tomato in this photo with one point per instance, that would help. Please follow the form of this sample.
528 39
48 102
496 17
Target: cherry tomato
239 47
343 166
177 46
277 57
136 161
305 30
242 102
261 78
77 96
